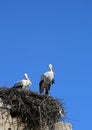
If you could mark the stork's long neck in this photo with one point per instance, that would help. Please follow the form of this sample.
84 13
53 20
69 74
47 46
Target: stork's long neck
27 78
52 70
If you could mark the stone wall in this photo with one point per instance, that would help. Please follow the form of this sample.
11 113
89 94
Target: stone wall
61 126
9 123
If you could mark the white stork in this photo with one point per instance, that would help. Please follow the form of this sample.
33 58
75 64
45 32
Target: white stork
23 83
47 79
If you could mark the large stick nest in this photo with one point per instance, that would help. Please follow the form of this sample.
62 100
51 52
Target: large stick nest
35 110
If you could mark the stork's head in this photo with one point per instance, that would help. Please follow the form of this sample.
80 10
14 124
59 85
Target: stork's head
51 67
26 76
28 80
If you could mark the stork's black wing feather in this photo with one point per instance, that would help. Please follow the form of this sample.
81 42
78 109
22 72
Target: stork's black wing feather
18 85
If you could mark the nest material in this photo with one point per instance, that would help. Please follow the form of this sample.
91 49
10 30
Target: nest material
34 110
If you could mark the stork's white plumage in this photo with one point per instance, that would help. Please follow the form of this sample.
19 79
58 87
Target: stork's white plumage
24 84
47 79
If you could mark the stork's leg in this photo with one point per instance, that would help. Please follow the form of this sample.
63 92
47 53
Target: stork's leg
49 87
41 86
41 89
46 90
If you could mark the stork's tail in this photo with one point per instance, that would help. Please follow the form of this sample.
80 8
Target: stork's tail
53 81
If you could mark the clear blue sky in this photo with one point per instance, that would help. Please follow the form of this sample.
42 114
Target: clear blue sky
36 33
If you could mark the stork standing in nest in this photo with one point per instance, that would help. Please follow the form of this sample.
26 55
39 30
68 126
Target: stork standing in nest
47 79
24 84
